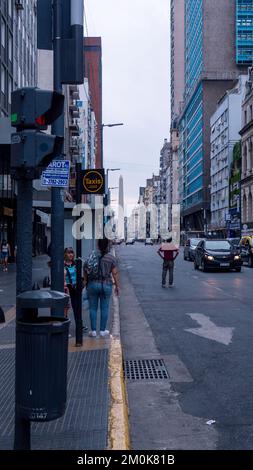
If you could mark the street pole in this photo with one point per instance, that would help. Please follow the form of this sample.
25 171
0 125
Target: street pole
22 438
57 210
79 286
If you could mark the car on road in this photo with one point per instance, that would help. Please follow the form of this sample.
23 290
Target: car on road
190 247
246 246
217 254
148 241
130 241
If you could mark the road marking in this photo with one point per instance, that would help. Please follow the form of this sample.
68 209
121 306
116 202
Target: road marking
209 330
214 287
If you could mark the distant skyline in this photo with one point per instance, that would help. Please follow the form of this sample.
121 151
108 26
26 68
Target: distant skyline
135 54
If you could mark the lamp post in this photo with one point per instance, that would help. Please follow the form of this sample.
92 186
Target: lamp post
102 137
106 184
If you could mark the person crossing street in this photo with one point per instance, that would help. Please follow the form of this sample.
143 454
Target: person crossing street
168 252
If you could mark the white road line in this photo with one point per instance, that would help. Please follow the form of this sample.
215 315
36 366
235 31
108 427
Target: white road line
209 330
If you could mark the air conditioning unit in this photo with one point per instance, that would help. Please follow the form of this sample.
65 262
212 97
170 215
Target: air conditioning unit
19 4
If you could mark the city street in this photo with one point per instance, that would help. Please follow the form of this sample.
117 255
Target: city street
202 329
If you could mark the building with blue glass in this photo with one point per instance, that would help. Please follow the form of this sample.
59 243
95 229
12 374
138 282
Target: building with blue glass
244 32
210 69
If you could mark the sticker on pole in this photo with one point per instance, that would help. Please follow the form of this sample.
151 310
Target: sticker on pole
56 174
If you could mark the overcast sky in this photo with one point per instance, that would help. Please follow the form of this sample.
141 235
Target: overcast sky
135 54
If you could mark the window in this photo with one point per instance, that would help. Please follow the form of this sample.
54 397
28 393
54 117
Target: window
10 48
2 79
3 33
9 89
10 8
245 116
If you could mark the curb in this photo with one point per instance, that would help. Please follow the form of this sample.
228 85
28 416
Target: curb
118 415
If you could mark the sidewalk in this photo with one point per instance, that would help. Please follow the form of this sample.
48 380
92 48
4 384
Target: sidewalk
87 422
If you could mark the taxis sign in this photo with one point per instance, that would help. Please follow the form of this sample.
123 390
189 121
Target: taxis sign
93 182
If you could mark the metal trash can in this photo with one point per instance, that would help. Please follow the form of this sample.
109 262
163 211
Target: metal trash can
41 357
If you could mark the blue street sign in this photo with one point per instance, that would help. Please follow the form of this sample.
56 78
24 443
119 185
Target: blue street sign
56 174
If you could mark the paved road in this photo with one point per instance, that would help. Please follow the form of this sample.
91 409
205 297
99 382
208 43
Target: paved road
206 323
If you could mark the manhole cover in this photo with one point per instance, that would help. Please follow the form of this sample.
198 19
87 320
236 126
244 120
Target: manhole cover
145 369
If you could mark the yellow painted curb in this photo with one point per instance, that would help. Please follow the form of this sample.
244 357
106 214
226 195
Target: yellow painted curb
118 419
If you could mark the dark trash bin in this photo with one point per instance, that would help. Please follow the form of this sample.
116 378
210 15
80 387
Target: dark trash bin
41 357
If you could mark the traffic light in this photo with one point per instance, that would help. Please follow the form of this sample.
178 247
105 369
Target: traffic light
32 151
33 110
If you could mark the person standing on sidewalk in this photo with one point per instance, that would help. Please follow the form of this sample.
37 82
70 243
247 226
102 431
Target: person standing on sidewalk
5 253
99 269
168 252
70 282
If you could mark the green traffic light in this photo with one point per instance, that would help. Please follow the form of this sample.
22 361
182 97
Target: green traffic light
14 117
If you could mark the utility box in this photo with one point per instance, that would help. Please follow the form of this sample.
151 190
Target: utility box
41 357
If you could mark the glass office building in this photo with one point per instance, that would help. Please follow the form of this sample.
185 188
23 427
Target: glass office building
193 43
244 32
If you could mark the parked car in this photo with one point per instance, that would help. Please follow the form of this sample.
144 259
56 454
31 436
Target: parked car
148 241
217 254
130 241
246 246
190 247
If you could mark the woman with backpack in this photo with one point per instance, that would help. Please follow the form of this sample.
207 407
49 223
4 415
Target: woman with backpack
99 269
70 281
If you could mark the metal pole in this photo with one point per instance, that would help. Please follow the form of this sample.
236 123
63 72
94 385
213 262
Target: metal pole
22 439
57 211
79 287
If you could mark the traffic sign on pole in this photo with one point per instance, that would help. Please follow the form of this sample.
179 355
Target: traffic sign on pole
56 174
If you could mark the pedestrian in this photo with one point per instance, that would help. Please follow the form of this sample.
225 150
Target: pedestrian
168 252
5 253
70 282
99 269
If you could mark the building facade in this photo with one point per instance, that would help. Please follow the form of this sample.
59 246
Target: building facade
210 70
225 127
247 159
93 71
18 65
244 32
177 56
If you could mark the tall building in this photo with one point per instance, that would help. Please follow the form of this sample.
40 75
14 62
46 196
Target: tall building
225 125
247 159
18 68
177 56
210 70
93 71
121 209
244 32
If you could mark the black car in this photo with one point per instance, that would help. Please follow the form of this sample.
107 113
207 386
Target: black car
190 247
217 254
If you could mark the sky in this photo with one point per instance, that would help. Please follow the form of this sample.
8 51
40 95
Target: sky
135 64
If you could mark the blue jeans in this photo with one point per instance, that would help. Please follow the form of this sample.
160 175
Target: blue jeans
103 293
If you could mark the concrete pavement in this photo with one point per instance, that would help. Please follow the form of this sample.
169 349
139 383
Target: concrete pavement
206 403
95 415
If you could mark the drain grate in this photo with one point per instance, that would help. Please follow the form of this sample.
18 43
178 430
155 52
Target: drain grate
145 369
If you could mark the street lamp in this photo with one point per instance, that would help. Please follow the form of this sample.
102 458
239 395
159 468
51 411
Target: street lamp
113 125
102 137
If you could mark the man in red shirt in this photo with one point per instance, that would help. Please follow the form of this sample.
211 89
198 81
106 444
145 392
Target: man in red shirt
168 252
